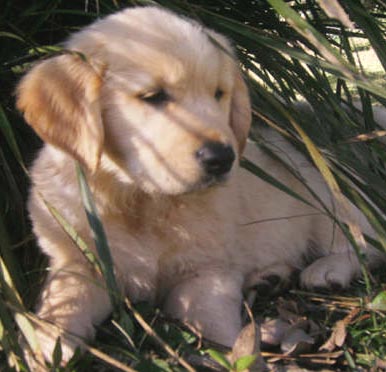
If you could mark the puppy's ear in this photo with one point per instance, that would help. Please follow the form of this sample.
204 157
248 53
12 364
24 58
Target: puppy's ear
60 100
240 117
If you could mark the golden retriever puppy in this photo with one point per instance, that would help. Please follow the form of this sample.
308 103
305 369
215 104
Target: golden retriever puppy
155 109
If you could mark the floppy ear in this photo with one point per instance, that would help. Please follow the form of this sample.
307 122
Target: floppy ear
241 115
60 101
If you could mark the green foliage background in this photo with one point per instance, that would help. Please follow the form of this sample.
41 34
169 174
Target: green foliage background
284 64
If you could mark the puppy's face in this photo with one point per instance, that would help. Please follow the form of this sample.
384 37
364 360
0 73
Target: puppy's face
159 97
166 117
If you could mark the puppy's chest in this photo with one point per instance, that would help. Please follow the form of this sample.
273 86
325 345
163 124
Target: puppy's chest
176 230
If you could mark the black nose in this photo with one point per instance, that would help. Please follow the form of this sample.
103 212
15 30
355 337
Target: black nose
216 158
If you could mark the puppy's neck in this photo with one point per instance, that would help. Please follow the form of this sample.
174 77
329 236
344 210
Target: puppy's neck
115 192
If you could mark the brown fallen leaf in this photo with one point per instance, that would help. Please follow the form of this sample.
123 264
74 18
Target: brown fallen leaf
293 331
367 136
296 341
337 338
273 331
248 343
339 332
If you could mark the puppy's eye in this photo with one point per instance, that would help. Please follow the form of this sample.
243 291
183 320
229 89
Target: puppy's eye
157 97
218 94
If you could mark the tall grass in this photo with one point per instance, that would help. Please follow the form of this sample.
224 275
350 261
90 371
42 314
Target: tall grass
290 51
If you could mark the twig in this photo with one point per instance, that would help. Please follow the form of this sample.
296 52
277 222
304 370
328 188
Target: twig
150 331
99 354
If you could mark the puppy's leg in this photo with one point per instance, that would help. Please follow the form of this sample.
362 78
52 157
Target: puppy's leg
74 300
332 272
211 302
339 264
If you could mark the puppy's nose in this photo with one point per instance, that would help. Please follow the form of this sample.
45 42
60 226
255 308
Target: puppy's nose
216 158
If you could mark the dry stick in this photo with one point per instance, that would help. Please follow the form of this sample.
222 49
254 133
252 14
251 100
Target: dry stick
100 355
150 331
145 335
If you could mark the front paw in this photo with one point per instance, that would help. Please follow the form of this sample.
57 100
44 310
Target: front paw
330 272
49 340
55 346
210 301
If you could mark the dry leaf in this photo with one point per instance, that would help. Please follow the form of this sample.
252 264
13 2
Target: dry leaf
296 341
292 331
273 331
337 338
248 343
367 136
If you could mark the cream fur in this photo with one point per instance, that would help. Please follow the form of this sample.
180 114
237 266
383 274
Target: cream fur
174 239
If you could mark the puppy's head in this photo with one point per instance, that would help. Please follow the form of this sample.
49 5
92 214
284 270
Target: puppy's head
157 95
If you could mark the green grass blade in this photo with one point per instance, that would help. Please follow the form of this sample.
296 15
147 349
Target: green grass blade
319 41
313 36
105 259
11 36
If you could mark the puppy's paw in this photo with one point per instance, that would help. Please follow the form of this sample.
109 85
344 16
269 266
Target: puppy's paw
48 341
331 272
50 337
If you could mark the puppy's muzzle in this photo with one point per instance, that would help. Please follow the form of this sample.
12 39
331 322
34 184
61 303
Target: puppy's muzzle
215 158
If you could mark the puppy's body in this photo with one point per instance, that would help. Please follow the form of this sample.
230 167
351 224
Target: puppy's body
183 232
